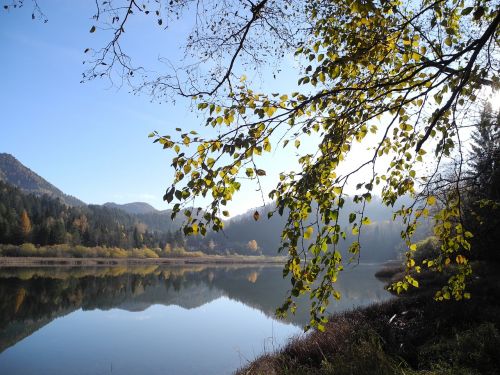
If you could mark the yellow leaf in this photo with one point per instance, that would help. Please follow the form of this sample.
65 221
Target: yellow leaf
269 110
266 145
461 259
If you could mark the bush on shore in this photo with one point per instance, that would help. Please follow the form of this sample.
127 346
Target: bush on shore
428 248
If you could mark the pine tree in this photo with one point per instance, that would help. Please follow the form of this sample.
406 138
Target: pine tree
482 198
57 233
485 155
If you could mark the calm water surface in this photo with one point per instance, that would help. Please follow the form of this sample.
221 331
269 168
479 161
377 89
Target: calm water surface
151 320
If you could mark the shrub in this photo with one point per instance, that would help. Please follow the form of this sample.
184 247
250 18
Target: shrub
148 253
472 349
427 249
27 250
116 252
136 253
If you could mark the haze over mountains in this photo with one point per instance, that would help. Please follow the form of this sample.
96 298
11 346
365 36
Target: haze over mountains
134 207
242 234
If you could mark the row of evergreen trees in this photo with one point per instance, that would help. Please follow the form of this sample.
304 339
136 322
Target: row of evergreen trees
481 188
47 221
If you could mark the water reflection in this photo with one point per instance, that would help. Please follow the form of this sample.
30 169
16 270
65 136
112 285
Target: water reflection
218 317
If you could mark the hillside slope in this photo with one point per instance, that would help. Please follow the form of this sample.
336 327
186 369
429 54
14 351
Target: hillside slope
133 208
13 172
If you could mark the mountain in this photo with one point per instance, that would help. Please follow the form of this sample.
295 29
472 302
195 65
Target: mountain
110 224
155 220
134 208
13 172
380 241
138 223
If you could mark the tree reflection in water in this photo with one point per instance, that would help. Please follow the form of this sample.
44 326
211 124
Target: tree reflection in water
32 297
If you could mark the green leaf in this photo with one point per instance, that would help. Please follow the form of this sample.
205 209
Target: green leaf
467 11
169 195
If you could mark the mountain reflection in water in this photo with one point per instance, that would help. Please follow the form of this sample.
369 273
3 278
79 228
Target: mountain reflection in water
31 298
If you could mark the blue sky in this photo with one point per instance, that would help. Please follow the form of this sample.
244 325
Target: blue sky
90 139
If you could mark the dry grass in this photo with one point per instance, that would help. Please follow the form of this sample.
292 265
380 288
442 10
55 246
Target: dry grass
408 335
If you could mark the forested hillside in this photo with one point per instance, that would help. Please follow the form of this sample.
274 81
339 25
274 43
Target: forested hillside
47 221
133 208
155 220
15 173
34 211
42 220
380 241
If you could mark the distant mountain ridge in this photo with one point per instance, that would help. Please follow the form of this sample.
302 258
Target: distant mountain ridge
134 208
13 172
16 174
242 234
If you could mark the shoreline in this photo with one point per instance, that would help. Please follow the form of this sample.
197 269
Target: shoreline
71 262
408 334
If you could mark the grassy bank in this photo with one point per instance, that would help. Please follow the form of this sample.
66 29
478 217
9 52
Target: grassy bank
27 255
30 255
78 251
412 334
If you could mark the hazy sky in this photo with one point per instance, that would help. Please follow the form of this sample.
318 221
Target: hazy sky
90 139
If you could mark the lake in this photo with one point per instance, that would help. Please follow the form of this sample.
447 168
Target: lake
152 319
